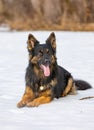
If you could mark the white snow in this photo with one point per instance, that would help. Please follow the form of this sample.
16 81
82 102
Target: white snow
75 52
4 28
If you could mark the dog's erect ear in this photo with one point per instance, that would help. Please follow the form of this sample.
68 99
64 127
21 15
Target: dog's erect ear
32 42
52 40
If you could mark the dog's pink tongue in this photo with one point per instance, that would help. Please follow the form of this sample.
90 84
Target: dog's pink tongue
46 70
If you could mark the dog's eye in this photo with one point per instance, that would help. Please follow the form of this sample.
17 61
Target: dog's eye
47 51
41 52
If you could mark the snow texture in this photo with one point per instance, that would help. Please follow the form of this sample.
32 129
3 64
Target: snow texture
75 52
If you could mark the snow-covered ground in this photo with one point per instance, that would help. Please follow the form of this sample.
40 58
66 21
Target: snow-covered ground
75 52
4 28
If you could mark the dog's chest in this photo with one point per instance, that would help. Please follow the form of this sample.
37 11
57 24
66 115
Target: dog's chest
41 87
42 90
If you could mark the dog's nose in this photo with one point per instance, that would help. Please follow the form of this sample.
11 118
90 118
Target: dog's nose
47 60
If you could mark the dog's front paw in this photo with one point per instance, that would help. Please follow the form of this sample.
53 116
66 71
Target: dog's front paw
33 104
21 104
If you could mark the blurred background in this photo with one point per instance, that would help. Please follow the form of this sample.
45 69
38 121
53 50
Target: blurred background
69 15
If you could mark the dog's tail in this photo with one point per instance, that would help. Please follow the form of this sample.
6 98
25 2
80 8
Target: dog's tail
82 85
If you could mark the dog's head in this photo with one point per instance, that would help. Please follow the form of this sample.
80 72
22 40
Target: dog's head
43 56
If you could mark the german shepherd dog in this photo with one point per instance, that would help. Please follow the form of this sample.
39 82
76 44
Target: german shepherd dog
45 79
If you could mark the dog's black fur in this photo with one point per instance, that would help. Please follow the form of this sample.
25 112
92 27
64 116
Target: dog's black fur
45 79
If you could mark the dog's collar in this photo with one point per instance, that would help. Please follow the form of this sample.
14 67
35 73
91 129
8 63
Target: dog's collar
44 87
41 88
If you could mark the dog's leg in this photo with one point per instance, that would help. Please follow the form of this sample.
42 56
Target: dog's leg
68 87
73 90
27 97
40 100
